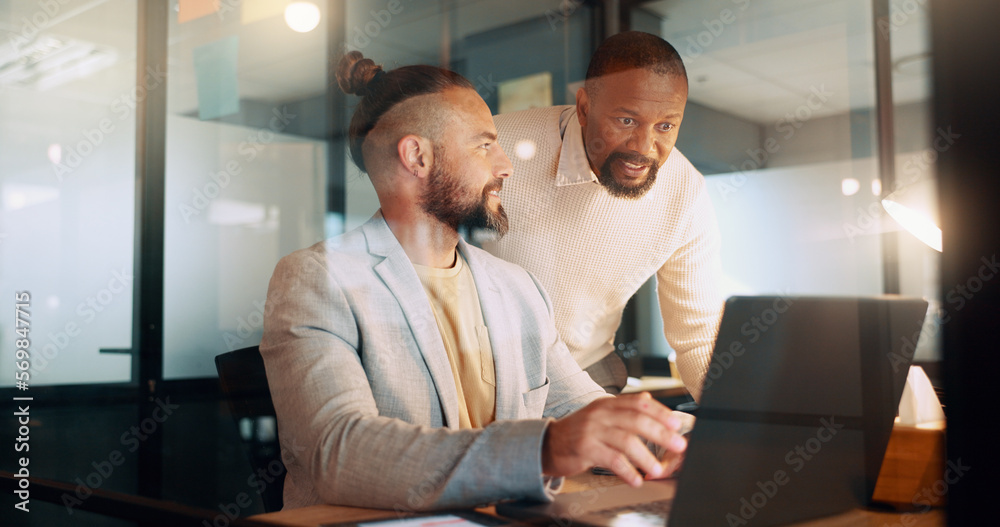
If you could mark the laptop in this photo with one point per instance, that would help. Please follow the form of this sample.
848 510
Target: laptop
795 416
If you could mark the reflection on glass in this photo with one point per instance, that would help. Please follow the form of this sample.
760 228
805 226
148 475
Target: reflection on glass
246 172
67 142
780 118
917 147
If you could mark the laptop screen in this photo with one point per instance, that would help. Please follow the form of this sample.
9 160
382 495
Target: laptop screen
796 408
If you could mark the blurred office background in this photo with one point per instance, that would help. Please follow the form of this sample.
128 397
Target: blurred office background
782 119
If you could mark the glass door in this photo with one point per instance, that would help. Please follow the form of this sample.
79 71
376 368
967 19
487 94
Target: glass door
68 101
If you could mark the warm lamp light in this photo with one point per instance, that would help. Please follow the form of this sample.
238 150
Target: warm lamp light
914 207
302 16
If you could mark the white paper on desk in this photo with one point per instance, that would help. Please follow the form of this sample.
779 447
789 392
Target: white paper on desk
919 404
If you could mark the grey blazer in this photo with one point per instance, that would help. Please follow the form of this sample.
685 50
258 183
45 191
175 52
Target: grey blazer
366 402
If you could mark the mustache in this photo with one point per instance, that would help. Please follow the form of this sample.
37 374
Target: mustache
497 185
635 159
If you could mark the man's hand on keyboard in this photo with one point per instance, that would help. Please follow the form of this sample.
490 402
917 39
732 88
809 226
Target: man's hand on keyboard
610 432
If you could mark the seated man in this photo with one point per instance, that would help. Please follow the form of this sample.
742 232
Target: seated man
411 370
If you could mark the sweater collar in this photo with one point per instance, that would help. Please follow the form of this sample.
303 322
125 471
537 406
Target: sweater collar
574 168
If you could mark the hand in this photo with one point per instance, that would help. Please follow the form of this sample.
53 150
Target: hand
609 432
675 461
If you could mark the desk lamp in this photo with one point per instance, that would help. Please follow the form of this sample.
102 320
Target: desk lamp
914 207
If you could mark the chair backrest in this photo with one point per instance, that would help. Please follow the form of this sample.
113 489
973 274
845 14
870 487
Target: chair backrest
244 383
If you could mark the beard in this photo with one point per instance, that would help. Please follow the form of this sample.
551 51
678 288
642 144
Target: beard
615 188
445 200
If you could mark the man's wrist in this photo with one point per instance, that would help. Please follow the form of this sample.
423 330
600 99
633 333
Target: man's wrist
546 454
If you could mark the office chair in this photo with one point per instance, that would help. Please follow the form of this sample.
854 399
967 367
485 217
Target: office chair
244 383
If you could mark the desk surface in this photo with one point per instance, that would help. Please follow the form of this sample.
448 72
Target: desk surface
321 514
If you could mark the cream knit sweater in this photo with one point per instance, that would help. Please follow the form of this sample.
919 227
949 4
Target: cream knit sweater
592 251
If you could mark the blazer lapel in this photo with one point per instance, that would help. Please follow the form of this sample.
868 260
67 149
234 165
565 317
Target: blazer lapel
399 276
504 338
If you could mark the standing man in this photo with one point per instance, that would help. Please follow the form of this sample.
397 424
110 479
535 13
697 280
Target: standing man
413 370
601 201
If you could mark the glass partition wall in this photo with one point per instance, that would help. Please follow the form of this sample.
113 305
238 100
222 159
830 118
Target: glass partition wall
782 120
67 157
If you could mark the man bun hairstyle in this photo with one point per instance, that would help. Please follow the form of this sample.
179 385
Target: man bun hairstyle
381 90
636 50
355 72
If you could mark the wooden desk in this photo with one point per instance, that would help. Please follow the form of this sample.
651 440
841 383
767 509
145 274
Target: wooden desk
322 514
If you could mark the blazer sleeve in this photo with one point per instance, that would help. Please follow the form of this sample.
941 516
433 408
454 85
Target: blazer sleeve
344 450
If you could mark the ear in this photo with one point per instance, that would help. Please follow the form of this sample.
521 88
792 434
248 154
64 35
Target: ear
416 154
582 105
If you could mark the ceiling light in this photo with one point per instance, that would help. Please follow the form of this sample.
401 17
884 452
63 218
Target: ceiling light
850 186
55 153
302 16
48 61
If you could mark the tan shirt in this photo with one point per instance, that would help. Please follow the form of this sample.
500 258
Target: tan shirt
455 303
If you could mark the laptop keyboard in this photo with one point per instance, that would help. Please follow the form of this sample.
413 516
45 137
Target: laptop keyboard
659 508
